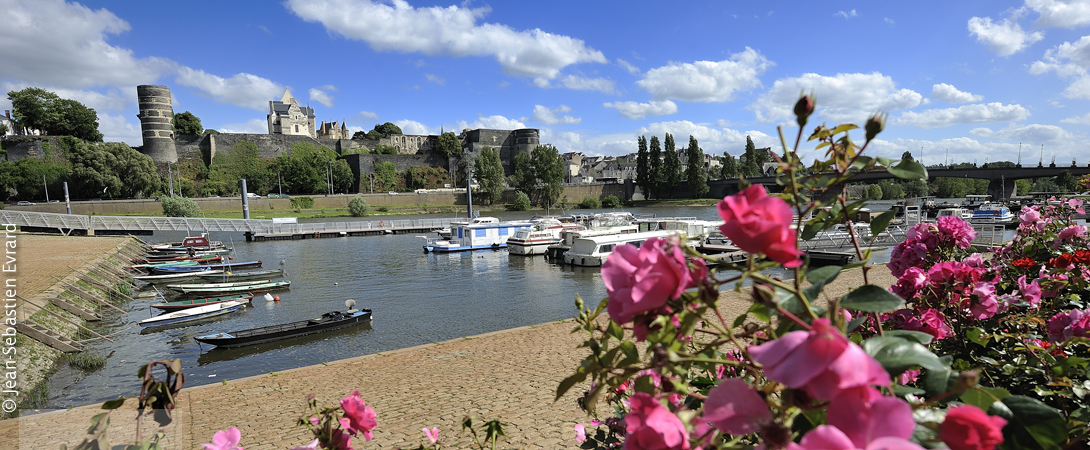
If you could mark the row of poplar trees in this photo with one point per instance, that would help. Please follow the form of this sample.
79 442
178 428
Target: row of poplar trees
658 170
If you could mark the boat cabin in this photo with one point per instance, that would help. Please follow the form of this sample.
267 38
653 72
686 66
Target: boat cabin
593 251
976 200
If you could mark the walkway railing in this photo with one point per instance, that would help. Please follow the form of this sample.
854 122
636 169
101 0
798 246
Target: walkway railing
255 226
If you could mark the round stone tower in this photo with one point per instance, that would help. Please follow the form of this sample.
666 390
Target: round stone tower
156 123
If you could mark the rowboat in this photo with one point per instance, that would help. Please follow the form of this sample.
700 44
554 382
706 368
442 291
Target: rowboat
241 276
174 277
180 263
197 268
193 314
184 304
327 322
183 287
251 287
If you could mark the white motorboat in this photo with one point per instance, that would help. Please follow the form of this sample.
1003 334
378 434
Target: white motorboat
476 236
993 213
537 239
446 232
593 251
193 314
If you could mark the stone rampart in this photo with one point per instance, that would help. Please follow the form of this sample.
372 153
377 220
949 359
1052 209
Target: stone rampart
19 147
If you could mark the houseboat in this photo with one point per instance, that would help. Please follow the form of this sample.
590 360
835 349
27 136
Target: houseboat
593 251
993 213
445 232
962 213
476 236
537 239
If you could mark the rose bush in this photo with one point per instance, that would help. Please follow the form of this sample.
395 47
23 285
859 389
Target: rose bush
875 368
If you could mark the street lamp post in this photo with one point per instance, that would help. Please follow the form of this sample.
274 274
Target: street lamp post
279 185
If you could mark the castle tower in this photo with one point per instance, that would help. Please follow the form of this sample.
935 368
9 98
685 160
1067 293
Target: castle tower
156 123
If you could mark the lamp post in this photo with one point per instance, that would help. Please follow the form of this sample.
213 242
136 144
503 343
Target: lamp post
279 185
331 177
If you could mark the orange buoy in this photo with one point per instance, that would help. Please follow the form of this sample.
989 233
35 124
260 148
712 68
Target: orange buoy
381 223
276 298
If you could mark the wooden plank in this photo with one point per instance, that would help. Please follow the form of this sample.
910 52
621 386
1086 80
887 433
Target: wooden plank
66 320
44 335
80 292
77 310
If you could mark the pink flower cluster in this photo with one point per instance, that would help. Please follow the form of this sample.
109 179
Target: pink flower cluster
641 280
759 223
358 417
1069 324
961 289
925 242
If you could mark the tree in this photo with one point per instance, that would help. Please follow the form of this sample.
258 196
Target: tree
522 202
1066 181
751 160
448 145
385 176
488 171
358 207
4 129
359 135
654 154
111 170
730 166
523 179
43 110
907 156
187 123
643 167
382 131
305 169
671 167
874 192
241 161
180 207
916 188
549 169
695 172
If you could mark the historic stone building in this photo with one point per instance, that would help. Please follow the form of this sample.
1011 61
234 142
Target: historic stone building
157 123
332 131
289 118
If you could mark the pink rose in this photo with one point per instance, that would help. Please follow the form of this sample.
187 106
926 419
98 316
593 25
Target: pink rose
1029 215
642 279
828 437
864 415
822 360
911 281
733 407
985 305
225 440
358 417
909 376
957 230
968 428
580 433
650 426
1067 324
313 445
758 223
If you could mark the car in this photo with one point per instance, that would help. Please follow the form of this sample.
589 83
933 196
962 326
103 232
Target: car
26 203
392 193
421 191
54 201
252 195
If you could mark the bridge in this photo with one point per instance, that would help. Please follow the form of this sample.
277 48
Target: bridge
1000 179
254 229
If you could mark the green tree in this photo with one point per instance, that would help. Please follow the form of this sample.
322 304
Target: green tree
358 207
549 169
730 166
695 172
305 169
4 129
385 176
359 136
643 167
43 110
448 145
109 170
907 156
916 188
590 202
1022 186
874 192
382 131
752 160
26 177
654 154
187 123
180 207
671 167
488 171
611 201
523 178
522 202
1066 181
242 161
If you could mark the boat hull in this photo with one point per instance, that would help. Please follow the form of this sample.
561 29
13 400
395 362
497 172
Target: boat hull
285 331
186 316
530 247
186 304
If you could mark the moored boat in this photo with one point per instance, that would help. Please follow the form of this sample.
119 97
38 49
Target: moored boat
192 303
244 287
326 322
198 268
183 287
194 314
175 277
243 276
479 236
537 239
593 251
992 213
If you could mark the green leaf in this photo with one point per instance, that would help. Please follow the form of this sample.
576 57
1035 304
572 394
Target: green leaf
879 224
738 321
615 330
1030 424
871 298
856 322
629 350
760 312
823 275
938 381
842 128
114 404
901 391
976 335
915 336
983 397
897 354
644 384
909 170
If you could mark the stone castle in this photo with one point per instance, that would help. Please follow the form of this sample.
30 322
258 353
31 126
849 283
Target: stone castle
291 123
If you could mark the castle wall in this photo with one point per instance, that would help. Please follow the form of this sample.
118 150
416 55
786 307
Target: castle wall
19 147
362 165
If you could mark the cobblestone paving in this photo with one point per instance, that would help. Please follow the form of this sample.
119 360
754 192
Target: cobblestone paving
509 375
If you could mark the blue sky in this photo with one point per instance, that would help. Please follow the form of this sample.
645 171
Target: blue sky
971 78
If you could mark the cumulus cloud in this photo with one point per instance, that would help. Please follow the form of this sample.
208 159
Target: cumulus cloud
1060 13
1003 38
978 113
844 97
1035 133
587 84
889 21
253 126
628 66
549 116
119 129
846 15
496 122
364 116
435 79
320 95
453 30
412 127
961 149
706 81
1080 120
1068 60
634 110
245 90
951 94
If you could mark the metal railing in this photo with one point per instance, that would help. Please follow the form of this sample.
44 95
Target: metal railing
256 226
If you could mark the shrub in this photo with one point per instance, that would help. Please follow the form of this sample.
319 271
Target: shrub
611 201
180 207
522 202
590 203
302 202
86 361
358 207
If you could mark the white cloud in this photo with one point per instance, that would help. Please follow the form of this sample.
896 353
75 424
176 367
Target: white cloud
961 149
706 81
978 113
549 116
252 126
951 94
119 129
365 115
1068 60
244 90
1035 133
412 127
1004 38
634 110
846 15
496 122
397 26
587 84
1080 120
435 79
320 95
1061 13
628 66
712 140
889 21
845 97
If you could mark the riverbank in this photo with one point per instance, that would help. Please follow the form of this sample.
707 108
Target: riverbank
510 375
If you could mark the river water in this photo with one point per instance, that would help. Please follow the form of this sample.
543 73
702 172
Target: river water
417 298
